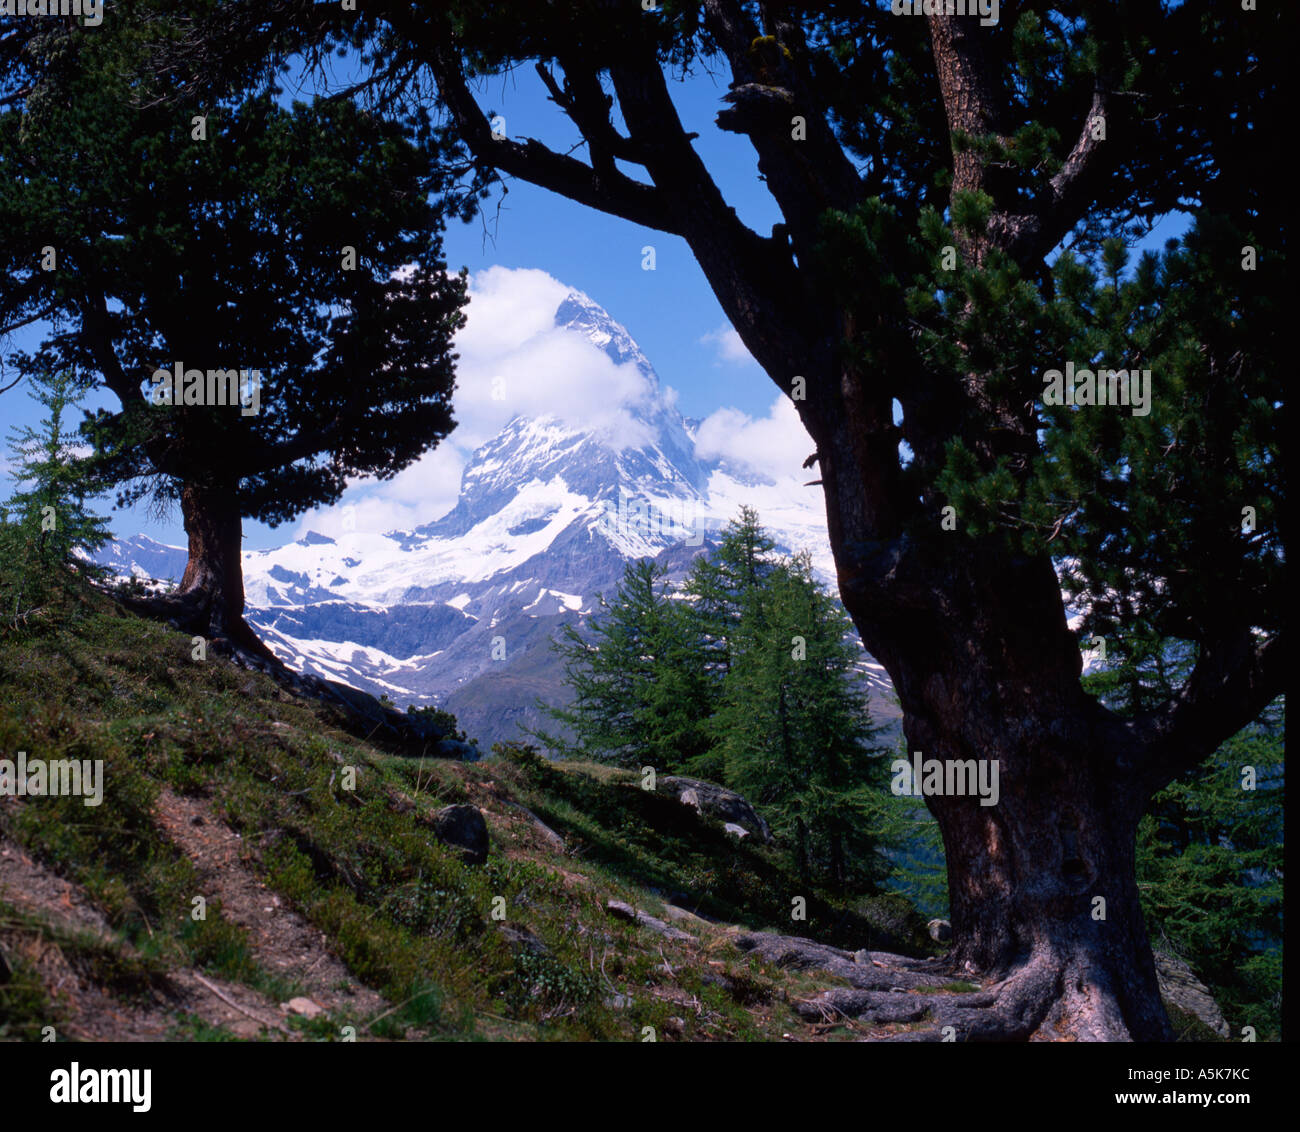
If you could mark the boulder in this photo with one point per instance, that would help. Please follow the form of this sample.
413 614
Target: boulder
716 802
463 827
523 940
940 930
1180 988
626 912
303 1006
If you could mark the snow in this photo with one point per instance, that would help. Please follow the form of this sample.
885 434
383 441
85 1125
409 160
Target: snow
528 475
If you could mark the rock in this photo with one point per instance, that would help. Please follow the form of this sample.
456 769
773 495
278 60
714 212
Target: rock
739 830
553 839
682 916
1180 988
463 828
303 1006
895 924
521 939
940 930
644 919
716 802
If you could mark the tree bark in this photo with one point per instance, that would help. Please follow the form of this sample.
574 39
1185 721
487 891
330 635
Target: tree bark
1044 899
209 601
978 648
213 583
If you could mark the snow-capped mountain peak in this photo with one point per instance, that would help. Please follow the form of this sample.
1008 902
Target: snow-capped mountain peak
461 610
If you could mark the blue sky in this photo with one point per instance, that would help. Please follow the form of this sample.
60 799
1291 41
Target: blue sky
670 311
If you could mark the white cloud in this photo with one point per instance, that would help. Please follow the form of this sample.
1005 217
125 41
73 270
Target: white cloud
513 361
774 446
728 346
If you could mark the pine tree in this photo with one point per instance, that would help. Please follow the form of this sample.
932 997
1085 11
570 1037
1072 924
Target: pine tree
639 693
719 588
289 256
53 509
794 733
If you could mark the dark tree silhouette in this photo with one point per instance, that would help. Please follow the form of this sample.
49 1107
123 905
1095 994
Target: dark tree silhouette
294 253
929 172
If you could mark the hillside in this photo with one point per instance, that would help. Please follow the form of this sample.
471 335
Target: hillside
334 913
344 906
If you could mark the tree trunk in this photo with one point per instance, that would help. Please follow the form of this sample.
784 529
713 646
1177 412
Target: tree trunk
209 602
976 642
213 582
1043 897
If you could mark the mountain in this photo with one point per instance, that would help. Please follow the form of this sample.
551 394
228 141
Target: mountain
460 611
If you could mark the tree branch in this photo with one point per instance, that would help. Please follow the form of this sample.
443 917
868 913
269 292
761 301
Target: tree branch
609 191
770 88
754 278
1234 680
587 106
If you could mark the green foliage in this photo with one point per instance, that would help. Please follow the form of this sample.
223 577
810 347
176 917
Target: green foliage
920 868
793 732
226 252
1210 861
52 511
1126 497
746 677
1210 847
640 697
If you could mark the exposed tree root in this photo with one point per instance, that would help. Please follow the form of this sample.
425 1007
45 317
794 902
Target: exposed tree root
1044 999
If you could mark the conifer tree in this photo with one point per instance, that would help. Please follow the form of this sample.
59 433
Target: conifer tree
793 729
639 693
52 510
720 582
719 588
260 287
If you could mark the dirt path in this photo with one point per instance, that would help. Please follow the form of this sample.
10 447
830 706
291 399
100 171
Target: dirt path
282 942
89 1012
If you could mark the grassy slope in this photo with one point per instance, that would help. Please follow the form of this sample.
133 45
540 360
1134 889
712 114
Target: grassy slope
81 679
